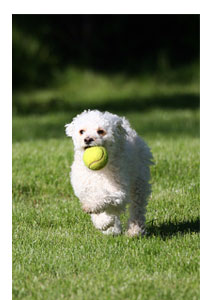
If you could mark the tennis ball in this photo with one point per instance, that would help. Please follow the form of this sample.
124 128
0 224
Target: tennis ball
95 158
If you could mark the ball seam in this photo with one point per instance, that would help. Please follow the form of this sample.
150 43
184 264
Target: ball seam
97 160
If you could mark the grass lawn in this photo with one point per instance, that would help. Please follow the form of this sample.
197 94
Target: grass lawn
57 253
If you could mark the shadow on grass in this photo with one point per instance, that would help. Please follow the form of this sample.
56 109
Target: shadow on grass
56 114
51 126
180 101
184 101
34 128
172 228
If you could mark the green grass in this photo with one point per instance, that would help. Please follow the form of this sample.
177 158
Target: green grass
58 254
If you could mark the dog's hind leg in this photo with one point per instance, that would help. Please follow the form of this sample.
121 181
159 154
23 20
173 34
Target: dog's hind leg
136 222
108 224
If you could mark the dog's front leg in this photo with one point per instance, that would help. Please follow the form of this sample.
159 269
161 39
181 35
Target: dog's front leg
108 224
92 207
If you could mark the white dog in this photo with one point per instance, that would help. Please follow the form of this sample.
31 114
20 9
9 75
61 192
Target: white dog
125 179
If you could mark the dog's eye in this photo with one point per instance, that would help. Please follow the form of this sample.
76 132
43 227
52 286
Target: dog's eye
81 131
101 132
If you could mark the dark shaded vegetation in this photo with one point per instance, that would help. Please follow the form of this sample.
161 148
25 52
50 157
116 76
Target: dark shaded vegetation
46 44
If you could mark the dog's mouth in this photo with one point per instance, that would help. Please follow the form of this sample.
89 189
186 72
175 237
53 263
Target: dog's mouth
93 144
86 147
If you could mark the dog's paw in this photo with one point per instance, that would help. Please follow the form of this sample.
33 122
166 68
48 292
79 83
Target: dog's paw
135 230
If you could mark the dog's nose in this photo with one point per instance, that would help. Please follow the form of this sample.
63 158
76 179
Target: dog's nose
88 140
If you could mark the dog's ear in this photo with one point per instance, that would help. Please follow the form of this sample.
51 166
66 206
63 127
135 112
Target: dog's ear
69 129
120 130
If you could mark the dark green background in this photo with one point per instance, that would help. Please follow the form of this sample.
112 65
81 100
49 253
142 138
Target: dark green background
47 47
111 43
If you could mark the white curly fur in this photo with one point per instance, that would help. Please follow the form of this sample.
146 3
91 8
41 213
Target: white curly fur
125 179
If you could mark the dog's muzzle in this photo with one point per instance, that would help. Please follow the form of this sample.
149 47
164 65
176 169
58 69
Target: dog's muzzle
88 141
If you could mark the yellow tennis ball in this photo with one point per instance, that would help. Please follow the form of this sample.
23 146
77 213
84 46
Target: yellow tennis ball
95 158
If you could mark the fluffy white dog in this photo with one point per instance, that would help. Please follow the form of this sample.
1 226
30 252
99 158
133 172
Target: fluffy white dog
125 179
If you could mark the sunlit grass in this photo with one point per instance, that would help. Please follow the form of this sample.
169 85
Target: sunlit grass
58 254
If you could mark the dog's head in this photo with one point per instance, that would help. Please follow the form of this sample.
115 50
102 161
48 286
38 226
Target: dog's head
94 128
